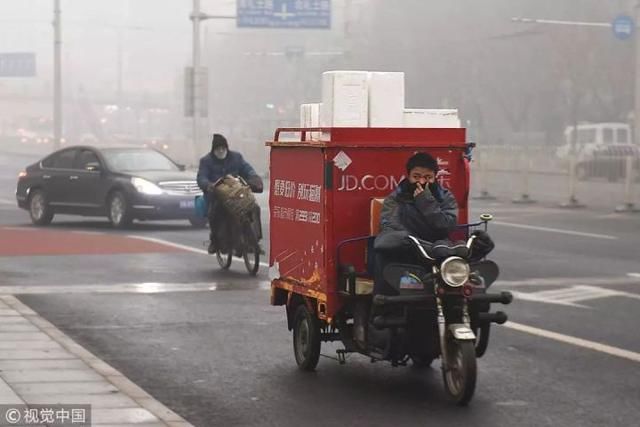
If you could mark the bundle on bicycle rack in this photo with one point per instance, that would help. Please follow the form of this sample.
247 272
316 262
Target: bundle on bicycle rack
235 195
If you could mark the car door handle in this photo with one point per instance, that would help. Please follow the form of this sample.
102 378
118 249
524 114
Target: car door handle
46 176
73 177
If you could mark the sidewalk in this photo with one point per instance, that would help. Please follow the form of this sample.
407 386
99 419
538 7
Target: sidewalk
41 365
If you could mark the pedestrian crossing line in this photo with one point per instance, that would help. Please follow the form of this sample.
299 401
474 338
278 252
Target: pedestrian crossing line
571 296
629 279
558 294
528 296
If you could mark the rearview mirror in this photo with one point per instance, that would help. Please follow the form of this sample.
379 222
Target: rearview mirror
92 167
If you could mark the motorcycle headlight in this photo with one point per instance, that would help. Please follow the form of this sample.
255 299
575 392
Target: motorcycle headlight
146 187
455 271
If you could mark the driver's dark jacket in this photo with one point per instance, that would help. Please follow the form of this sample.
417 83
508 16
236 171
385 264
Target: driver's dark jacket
429 216
212 169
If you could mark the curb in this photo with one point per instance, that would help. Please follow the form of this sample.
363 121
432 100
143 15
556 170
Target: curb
122 383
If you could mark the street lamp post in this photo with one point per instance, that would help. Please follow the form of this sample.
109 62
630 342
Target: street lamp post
57 76
195 80
197 17
636 109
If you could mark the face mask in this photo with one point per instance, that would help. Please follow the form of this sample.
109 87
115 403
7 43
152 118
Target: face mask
220 153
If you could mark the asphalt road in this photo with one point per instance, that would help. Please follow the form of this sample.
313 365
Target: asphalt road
208 345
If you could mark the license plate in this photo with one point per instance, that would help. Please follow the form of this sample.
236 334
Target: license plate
187 204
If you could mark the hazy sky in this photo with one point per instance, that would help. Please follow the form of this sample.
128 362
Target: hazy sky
156 36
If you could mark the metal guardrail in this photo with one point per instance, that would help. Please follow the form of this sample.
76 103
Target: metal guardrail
606 177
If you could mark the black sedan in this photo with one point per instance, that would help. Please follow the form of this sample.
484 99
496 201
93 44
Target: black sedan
121 183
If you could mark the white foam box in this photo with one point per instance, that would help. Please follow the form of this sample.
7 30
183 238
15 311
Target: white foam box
431 118
345 99
309 115
386 99
310 118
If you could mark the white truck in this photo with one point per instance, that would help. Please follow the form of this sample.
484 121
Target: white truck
601 149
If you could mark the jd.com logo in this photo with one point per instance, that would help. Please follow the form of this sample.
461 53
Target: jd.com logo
383 182
369 183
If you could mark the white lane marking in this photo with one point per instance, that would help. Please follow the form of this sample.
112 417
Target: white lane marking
555 230
579 342
570 296
569 281
97 365
91 233
634 275
528 296
21 228
133 288
179 246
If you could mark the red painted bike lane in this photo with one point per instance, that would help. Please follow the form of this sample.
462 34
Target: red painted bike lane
47 242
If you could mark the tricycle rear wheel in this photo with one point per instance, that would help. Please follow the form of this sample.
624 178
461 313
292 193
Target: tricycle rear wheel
306 338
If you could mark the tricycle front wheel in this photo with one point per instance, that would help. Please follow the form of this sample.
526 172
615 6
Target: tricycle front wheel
306 338
460 375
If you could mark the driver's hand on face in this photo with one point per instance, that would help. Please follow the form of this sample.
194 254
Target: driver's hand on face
419 190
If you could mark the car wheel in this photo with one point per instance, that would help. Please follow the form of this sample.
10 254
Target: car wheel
119 210
39 209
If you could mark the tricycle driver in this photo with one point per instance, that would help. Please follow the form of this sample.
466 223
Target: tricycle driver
420 207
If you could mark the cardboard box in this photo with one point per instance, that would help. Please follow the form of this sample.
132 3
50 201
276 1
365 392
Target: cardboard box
345 99
386 99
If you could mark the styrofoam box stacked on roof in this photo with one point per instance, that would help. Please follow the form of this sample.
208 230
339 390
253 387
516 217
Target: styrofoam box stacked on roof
310 118
345 99
431 118
386 99
310 115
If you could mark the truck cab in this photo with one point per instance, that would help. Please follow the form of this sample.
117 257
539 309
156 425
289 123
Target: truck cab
600 149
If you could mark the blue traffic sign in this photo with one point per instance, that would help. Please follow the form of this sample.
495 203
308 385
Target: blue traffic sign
284 13
17 64
623 27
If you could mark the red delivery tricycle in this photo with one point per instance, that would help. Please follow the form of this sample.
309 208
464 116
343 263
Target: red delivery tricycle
327 187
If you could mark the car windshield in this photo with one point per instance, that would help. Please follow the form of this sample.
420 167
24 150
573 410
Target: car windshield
127 160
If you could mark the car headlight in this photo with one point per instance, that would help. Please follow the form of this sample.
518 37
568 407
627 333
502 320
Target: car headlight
146 187
455 271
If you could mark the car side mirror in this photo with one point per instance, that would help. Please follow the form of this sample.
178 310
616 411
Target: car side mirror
93 167
182 167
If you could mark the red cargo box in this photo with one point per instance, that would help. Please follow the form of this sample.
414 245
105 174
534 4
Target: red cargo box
321 196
